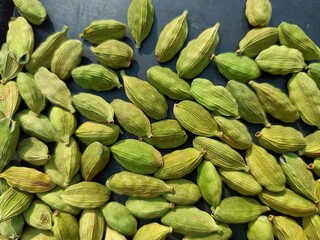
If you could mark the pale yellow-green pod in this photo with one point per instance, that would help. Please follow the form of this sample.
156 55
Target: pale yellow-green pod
258 12
9 98
91 224
32 10
39 215
152 231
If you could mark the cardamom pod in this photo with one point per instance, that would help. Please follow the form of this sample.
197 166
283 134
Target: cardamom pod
63 121
311 226
9 98
236 67
113 235
209 182
10 133
314 72
305 96
136 156
113 53
288 202
42 55
96 77
93 160
32 10
86 195
234 132
275 102
179 163
224 234
299 178
140 20
20 51
148 208
28 179
65 226
131 118
280 139
9 67
256 40
169 83
185 192
261 228
137 185
12 228
258 12
145 96
238 209
4 186
93 107
220 154
280 60
190 220
119 218
91 224
312 148
195 57
265 168
242 182
285 228
33 151
166 133
54 89
152 231
14 202
102 30
90 131
249 106
36 234
315 166
172 38
66 58
30 92
216 99
52 198
39 215
195 118
292 36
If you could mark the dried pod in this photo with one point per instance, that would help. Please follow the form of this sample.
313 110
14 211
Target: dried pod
9 67
37 234
224 234
314 72
311 226
12 228
65 226
140 19
9 98
32 10
261 228
39 215
91 224
152 231
172 38
258 12
113 234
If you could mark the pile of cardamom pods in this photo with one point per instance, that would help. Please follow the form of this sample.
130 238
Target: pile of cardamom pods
53 193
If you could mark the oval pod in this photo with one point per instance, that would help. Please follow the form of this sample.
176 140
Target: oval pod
152 231
258 12
261 228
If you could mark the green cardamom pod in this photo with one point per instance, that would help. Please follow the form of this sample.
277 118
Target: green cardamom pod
256 40
172 38
152 231
185 192
314 72
30 92
36 234
93 160
249 106
190 220
90 131
140 20
292 36
275 102
216 99
136 156
12 228
305 96
96 77
119 218
145 96
280 139
261 228
43 54
137 185
9 67
169 83
299 178
258 12
315 167
9 98
195 57
93 107
99 31
33 11
166 133
312 148
65 226
91 224
224 234
113 235
220 154
238 209
236 67
209 182
288 202
39 215
54 89
265 168
125 112
311 226
280 60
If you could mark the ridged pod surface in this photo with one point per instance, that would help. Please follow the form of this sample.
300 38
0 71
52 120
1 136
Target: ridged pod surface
9 98
32 10
311 226
258 12
312 148
261 229
314 72
152 231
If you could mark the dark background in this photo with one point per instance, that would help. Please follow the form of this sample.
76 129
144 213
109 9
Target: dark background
77 14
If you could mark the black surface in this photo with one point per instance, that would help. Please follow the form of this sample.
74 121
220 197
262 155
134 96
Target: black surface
77 14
